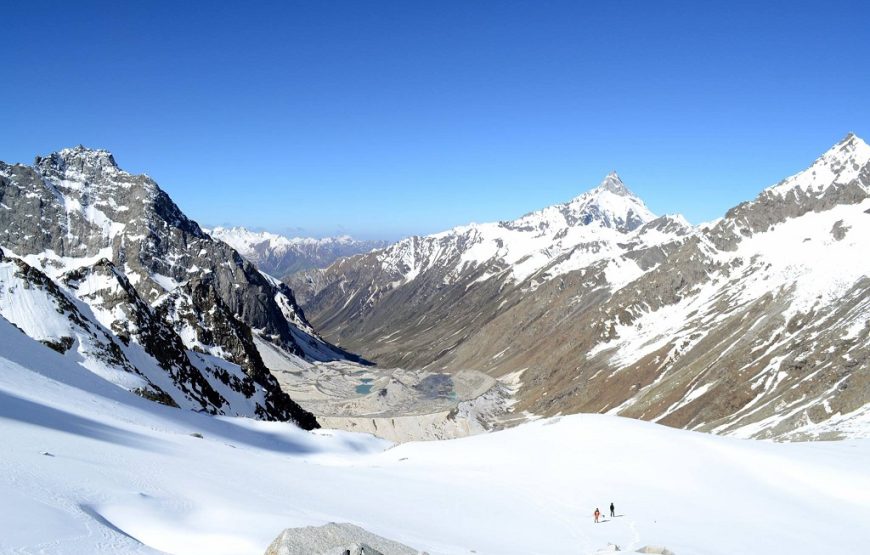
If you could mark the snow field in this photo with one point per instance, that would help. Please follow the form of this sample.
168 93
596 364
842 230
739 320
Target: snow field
125 475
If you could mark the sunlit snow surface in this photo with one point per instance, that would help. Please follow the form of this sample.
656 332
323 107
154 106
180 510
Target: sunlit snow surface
88 468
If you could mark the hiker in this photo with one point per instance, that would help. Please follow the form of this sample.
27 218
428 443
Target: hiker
597 514
612 509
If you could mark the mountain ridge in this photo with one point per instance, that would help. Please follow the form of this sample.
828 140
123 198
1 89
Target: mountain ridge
653 322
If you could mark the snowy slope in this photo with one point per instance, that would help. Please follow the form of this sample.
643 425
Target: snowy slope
802 360
89 469
41 310
95 340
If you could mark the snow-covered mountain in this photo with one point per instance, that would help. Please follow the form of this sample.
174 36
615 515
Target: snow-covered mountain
280 256
90 469
102 266
755 325
421 284
588 228
599 225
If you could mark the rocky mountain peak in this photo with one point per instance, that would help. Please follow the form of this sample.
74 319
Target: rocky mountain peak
75 206
78 158
611 204
613 184
840 165
852 149
850 138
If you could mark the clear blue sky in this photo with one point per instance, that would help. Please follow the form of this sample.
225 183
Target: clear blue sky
383 119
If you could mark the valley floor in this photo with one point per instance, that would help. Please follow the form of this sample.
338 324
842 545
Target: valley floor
88 468
393 403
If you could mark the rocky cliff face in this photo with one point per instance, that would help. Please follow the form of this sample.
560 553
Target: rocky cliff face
117 244
756 325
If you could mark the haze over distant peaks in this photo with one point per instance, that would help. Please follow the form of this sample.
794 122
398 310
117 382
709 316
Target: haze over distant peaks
279 256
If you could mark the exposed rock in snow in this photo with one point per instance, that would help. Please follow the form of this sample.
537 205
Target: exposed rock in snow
657 550
335 539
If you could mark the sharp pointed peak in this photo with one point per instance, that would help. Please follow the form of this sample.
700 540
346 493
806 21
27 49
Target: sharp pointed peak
850 137
840 164
850 147
850 143
613 183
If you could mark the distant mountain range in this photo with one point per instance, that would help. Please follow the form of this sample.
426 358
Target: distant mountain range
103 267
281 256
756 325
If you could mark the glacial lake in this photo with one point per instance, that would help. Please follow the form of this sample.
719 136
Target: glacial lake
365 387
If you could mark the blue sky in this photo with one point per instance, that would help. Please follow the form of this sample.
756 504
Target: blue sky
383 119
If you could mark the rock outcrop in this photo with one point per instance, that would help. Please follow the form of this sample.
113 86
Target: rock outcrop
335 539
